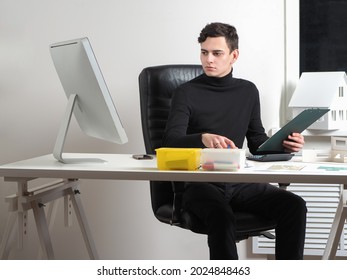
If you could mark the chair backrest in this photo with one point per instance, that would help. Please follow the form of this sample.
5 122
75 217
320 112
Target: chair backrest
157 85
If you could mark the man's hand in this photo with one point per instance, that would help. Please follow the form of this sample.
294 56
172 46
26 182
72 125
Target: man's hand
294 143
217 141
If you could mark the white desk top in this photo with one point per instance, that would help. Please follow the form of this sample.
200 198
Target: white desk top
124 167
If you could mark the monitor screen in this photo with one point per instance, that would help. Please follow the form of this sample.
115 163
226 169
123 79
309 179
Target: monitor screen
87 92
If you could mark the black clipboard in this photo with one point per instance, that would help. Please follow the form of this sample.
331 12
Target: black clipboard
302 121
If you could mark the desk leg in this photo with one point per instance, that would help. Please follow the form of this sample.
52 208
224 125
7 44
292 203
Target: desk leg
336 228
7 237
82 220
50 217
23 201
22 213
42 230
22 227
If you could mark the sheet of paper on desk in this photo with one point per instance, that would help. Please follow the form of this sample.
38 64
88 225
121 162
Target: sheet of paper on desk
310 168
300 167
333 168
286 167
280 167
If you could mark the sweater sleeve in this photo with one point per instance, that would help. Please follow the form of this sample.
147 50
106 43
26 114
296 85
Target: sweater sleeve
256 134
175 134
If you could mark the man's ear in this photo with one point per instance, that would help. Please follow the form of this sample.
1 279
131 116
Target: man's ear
235 53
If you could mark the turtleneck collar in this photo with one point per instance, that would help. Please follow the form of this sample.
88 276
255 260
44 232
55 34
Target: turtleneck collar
220 81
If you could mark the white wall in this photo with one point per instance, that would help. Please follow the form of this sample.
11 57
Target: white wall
126 36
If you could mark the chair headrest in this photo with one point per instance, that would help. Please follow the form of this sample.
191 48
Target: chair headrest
165 79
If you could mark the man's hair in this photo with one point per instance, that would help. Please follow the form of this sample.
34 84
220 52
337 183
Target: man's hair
217 29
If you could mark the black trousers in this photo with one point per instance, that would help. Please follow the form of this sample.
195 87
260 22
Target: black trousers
214 204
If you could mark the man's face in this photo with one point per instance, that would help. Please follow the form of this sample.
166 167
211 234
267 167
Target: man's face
216 59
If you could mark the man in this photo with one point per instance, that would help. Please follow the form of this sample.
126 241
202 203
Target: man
216 110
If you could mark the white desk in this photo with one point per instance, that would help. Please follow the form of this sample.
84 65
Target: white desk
124 167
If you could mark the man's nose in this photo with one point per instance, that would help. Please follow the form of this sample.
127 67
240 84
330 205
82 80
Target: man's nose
210 58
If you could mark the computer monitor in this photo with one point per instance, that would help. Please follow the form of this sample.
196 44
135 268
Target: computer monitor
87 93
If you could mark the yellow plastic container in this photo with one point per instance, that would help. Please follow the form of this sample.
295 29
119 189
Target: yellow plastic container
178 158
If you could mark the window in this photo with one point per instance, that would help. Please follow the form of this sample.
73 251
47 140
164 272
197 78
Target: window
323 37
341 115
340 91
333 115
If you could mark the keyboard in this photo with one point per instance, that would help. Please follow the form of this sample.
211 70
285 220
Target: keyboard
271 157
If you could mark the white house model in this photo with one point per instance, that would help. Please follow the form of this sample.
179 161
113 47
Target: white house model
322 90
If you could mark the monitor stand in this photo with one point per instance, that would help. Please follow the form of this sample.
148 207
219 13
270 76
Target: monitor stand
60 141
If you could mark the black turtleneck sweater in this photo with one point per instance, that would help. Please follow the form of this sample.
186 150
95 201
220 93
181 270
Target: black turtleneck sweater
225 106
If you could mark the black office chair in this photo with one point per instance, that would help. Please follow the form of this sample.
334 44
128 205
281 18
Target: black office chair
156 86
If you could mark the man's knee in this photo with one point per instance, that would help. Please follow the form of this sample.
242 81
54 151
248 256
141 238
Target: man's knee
299 203
294 206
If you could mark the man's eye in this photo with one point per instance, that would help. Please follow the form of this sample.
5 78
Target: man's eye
203 52
217 53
